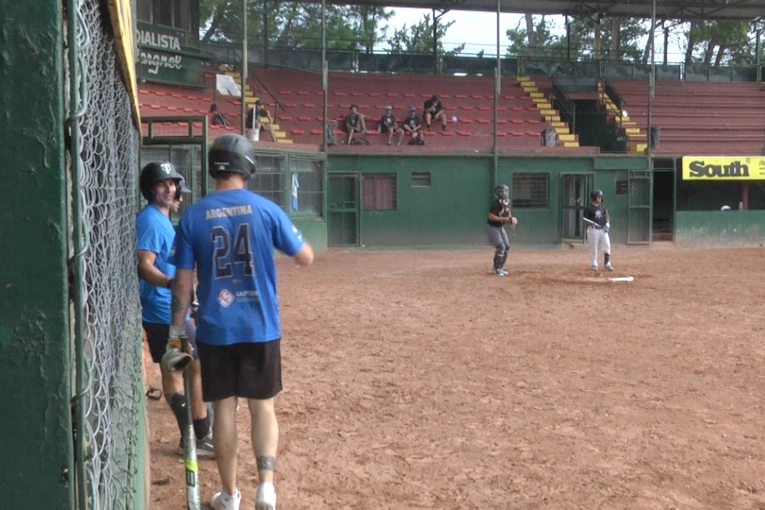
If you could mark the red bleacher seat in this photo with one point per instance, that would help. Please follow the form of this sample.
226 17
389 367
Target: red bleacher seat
463 133
316 131
304 118
296 131
302 92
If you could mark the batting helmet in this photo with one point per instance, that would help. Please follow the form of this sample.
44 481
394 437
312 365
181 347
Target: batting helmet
502 190
181 188
231 153
595 194
157 172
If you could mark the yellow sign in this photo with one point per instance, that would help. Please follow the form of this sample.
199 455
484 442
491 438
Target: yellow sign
121 16
723 168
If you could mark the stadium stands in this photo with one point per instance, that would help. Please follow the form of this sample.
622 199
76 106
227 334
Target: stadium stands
694 117
697 117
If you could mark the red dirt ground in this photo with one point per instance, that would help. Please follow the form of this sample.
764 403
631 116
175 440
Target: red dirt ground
419 380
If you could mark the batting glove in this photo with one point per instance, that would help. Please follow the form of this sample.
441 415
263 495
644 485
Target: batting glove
607 228
513 221
175 358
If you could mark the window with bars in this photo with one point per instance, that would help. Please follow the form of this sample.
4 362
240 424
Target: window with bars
378 192
531 191
306 186
268 181
170 13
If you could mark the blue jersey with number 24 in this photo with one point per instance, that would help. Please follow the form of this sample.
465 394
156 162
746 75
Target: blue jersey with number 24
231 235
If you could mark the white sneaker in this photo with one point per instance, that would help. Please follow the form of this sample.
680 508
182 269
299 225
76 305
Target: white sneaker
497 272
266 497
609 267
504 273
225 501
594 267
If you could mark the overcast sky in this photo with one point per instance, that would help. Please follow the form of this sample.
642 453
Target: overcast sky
478 30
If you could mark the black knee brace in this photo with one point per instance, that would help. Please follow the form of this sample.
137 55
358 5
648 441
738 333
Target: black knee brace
178 405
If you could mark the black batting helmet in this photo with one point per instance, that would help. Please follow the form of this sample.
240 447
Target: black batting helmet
231 153
595 194
181 188
157 172
502 190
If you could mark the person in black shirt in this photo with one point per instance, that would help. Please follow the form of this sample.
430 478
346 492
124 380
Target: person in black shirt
499 214
412 126
598 230
388 125
355 122
434 110
259 119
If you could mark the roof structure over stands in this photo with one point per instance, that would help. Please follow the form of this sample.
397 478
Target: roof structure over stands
668 9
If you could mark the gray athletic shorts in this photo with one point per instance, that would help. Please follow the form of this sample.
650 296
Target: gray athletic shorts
497 236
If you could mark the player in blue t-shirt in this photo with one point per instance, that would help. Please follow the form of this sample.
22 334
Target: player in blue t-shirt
230 236
161 185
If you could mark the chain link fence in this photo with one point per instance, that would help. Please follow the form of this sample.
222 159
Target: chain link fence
106 347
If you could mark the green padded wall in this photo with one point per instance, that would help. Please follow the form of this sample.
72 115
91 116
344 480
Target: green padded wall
34 354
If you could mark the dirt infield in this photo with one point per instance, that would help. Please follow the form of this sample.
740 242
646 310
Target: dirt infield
420 380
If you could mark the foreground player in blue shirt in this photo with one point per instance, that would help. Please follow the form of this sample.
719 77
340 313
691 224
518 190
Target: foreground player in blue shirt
230 236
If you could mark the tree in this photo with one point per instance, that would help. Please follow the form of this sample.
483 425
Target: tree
292 25
419 38
620 35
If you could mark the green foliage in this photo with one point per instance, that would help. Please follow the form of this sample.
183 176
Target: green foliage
419 38
292 25
720 42
551 41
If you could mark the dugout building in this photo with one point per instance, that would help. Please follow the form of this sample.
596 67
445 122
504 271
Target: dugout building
92 89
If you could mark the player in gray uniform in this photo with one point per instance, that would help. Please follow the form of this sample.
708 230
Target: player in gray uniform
597 234
499 214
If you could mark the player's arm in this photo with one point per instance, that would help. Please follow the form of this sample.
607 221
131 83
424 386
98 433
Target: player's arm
148 272
304 256
501 219
182 292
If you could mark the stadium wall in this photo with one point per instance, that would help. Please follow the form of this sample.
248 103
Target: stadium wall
443 200
720 228
36 423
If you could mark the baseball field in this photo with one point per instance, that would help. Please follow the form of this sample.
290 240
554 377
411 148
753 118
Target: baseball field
417 379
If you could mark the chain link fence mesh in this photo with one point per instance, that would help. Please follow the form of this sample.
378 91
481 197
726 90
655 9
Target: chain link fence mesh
107 448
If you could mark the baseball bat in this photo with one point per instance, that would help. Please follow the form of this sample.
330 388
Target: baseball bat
590 222
190 443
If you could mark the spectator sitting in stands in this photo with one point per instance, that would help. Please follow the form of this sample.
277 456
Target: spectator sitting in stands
388 125
218 119
412 126
549 137
354 122
262 120
434 110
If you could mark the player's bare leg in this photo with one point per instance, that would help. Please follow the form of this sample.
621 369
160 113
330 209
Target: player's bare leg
265 441
172 382
226 442
271 131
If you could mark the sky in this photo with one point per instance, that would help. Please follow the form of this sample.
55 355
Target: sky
476 29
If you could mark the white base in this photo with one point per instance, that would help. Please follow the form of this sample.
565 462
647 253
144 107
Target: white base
622 279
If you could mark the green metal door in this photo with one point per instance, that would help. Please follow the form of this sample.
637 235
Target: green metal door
343 210
639 207
575 189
